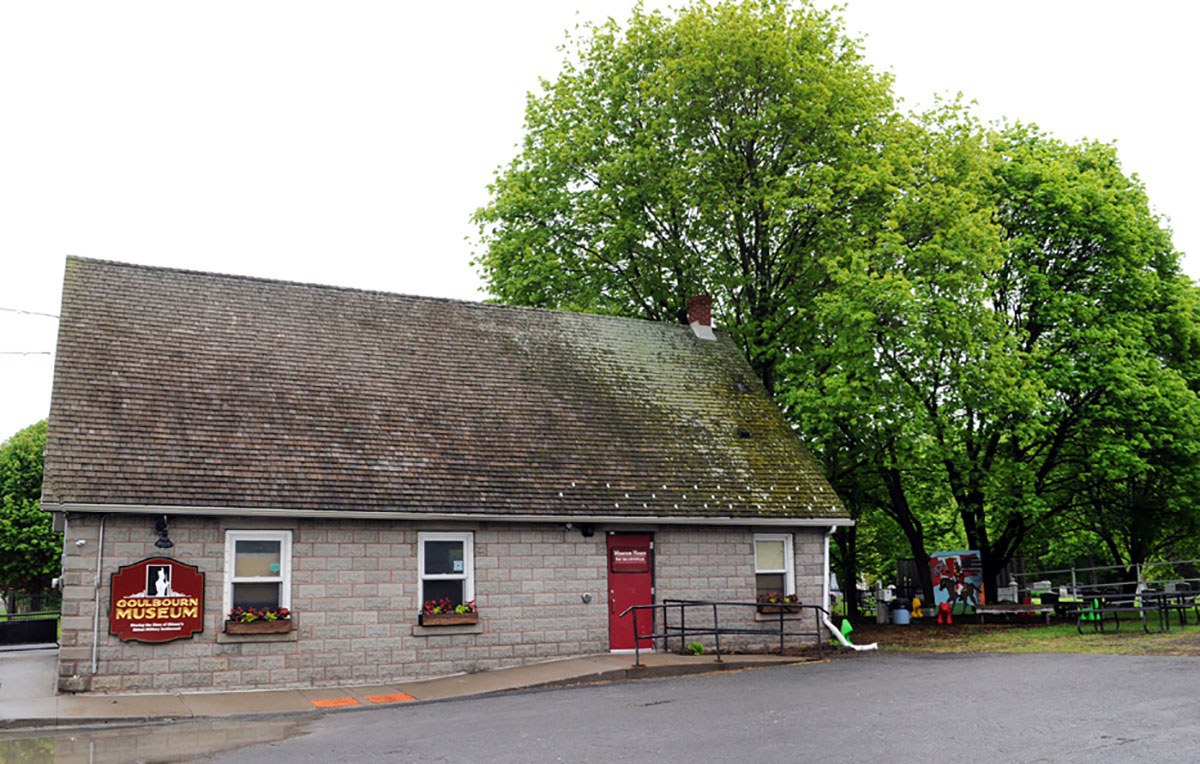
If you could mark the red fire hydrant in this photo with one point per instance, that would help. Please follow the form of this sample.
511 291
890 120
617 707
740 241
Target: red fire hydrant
944 614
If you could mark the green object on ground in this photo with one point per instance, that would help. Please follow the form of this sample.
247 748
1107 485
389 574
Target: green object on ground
846 629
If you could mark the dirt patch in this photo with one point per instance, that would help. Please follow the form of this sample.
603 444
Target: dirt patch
968 636
929 635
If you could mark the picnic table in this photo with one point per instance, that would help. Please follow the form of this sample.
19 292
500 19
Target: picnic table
1096 609
1178 602
1010 609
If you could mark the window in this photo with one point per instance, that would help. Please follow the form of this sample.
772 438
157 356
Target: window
447 565
774 571
258 569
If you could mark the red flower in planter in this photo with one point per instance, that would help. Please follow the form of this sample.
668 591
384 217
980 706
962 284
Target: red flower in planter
250 615
444 605
775 598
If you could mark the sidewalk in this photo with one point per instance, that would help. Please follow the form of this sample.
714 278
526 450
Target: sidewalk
27 697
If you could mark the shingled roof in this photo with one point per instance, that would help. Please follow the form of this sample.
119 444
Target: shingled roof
219 393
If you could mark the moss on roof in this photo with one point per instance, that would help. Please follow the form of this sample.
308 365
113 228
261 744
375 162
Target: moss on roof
183 388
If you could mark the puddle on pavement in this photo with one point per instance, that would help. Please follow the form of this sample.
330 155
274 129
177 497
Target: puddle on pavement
157 743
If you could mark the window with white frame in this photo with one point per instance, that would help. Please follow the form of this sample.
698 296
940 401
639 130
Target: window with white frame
774 569
258 569
447 565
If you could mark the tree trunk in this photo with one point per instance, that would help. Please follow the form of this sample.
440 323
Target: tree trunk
847 543
900 511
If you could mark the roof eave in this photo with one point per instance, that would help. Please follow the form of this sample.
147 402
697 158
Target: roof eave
341 514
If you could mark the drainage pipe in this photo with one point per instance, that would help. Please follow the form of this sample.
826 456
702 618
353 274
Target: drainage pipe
825 582
842 637
835 631
96 615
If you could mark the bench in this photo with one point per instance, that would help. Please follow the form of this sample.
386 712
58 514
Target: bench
1009 609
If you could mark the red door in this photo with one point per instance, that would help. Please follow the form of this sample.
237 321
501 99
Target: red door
630 582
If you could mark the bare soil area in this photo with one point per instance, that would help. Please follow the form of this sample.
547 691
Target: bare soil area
966 635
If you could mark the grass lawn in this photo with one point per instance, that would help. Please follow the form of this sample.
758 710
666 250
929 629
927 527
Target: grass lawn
968 636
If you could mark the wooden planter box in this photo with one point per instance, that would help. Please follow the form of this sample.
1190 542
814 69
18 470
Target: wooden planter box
776 609
282 626
449 619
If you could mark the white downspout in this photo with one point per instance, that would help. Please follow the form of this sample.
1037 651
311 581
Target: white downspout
825 580
62 558
96 615
835 631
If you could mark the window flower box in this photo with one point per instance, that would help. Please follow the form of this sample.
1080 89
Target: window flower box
775 609
449 619
445 613
258 627
775 603
258 621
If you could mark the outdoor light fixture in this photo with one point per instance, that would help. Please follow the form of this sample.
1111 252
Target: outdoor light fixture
585 529
160 527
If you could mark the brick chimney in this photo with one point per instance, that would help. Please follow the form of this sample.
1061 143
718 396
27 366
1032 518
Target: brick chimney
699 316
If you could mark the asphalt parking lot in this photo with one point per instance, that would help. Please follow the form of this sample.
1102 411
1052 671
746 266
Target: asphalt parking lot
869 707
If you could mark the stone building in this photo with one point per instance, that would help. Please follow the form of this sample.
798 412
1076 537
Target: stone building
352 455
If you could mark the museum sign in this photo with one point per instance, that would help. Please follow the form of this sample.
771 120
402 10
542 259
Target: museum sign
156 600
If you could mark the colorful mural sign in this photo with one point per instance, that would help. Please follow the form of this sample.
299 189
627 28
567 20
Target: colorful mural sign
957 579
156 600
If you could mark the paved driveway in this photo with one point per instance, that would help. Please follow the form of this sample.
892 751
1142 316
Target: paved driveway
27 676
861 708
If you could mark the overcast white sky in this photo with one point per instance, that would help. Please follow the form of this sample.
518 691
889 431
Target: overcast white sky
348 142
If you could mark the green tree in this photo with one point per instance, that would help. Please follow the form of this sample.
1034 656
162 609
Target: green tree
949 313
1089 279
31 549
1135 482
725 151
904 334
1008 316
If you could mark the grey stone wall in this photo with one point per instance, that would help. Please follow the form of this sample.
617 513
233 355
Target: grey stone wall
355 591
708 563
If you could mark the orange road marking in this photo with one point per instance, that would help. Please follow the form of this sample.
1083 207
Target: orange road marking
335 703
396 697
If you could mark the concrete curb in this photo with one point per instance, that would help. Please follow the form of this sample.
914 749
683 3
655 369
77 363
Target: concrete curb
80 712
663 672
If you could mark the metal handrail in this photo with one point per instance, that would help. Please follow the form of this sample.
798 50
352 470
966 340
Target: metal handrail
683 631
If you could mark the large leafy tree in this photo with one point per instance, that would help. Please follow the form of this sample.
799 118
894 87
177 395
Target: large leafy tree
953 315
905 336
997 354
725 151
1089 281
1133 479
29 547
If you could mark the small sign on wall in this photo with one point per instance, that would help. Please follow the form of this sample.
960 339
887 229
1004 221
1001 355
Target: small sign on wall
630 560
156 600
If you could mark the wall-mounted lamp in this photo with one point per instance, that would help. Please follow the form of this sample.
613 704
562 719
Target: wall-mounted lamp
160 527
585 529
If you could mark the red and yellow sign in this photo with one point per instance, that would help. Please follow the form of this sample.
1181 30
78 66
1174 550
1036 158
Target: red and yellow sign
156 600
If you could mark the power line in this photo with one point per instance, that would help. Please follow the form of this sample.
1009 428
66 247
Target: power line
28 312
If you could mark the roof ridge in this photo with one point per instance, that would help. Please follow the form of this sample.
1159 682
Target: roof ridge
235 277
